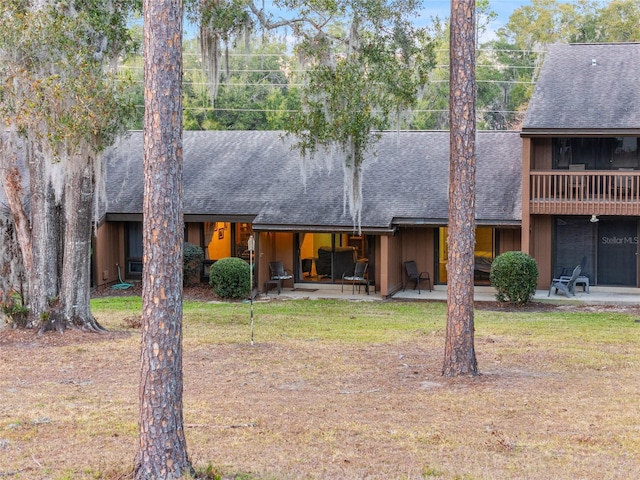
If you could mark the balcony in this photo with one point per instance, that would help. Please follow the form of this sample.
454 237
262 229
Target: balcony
562 192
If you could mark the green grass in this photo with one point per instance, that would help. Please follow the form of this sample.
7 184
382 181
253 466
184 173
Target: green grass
381 322
326 320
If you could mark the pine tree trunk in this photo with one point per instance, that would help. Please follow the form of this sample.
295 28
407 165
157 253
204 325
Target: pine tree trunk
162 449
460 357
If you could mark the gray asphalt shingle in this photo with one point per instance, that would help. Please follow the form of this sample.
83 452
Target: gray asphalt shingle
587 87
257 173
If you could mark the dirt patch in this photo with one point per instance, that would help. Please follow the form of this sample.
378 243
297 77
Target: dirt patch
202 292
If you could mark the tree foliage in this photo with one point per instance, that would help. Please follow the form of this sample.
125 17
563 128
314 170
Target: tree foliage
585 21
362 62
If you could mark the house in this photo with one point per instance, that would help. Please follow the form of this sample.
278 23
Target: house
581 164
240 183
565 189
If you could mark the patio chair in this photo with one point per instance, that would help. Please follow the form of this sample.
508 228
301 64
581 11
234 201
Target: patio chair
359 277
583 278
414 276
278 275
566 284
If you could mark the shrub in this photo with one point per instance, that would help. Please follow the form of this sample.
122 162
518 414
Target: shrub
515 276
230 278
15 313
193 257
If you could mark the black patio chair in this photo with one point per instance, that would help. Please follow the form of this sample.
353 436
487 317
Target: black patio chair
414 276
359 277
278 275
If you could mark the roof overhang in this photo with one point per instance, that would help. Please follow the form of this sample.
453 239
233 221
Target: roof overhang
123 217
442 222
583 132
499 223
419 222
261 227
197 218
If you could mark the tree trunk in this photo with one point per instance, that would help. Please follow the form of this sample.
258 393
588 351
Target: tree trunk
162 449
46 222
75 307
459 356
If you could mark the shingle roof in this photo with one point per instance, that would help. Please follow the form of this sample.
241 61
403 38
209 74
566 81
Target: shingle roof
587 87
256 173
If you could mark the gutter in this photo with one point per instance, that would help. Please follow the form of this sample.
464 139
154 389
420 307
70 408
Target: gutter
582 132
261 227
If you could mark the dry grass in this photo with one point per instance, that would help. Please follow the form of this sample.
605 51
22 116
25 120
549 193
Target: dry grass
336 390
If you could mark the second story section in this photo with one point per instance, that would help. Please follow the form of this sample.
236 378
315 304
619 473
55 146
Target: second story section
581 134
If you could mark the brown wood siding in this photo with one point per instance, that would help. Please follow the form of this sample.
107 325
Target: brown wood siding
509 240
109 250
378 260
542 154
273 247
389 266
541 248
193 233
392 251
526 219
419 244
266 248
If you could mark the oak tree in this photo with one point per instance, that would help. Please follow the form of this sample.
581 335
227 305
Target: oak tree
61 108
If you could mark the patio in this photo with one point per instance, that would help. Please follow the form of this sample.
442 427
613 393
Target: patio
597 295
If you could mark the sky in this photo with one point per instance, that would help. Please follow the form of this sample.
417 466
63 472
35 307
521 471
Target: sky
504 9
442 9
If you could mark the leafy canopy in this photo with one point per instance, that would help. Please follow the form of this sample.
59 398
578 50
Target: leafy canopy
53 82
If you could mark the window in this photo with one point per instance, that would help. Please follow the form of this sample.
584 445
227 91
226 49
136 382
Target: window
596 153
324 257
224 239
133 235
483 255
217 240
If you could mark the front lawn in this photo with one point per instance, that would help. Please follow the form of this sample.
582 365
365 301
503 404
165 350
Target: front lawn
335 389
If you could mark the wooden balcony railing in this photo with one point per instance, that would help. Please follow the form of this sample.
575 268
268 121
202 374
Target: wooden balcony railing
585 192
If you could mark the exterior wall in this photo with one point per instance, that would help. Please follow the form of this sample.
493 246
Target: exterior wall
541 248
419 244
393 250
108 250
526 215
273 247
193 233
542 154
378 262
509 240
389 267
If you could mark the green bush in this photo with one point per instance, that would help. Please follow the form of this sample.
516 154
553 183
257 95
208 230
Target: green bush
193 257
15 313
515 276
230 278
